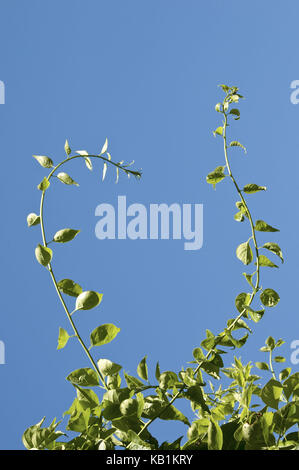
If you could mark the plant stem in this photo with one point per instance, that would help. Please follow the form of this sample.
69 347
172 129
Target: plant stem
256 287
51 174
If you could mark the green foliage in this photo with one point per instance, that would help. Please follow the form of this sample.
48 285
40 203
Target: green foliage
113 409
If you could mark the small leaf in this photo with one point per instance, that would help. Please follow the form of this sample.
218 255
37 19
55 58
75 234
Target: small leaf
269 298
108 367
256 315
215 437
86 158
157 372
142 370
262 365
103 334
117 175
218 131
65 235
105 147
88 299
69 287
264 261
45 162
235 143
66 179
244 253
271 393
63 338
253 188
270 342
285 373
43 254
242 301
104 171
239 217
248 278
262 226
44 184
33 219
216 176
67 147
274 248
235 112
279 359
85 377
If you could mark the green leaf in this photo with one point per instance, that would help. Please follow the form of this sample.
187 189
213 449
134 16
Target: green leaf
262 226
132 382
142 369
88 299
274 248
43 254
103 334
67 147
153 406
87 160
167 380
45 162
40 438
256 315
218 131
240 205
195 395
264 261
239 217
271 393
87 398
253 188
129 407
104 171
215 437
244 253
85 377
44 184
270 342
105 147
216 176
65 235
157 372
235 143
242 301
285 373
63 338
69 287
136 443
269 298
248 278
235 112
279 359
291 384
262 365
33 219
108 367
66 179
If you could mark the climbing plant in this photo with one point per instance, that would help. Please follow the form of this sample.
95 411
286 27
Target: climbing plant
114 410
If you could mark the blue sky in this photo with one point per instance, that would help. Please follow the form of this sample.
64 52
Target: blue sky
144 74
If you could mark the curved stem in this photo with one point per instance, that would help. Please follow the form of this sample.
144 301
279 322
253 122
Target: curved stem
255 289
86 350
